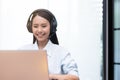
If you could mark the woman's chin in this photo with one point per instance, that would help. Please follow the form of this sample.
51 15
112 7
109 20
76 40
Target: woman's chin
41 40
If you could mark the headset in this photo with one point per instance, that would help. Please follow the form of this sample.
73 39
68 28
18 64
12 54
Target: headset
53 22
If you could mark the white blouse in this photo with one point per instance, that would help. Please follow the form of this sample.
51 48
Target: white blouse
59 60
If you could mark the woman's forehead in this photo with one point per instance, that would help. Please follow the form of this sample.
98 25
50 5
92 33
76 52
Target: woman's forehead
39 19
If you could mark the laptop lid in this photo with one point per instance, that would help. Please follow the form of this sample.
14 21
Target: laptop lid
23 65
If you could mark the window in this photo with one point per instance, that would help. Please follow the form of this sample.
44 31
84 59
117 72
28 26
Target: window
116 36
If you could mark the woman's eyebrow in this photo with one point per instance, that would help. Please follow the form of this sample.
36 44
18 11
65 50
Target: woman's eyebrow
35 24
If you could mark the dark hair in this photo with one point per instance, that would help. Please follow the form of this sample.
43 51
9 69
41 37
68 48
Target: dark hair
52 20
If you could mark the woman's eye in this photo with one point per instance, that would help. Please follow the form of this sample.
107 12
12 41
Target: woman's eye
35 26
43 26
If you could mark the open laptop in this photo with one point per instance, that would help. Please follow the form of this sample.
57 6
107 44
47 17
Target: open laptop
23 65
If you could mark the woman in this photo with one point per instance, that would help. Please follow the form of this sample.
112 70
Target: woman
42 23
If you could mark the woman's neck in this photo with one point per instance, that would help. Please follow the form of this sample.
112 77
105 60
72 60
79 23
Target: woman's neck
41 45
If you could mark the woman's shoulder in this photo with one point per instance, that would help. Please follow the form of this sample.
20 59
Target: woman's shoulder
60 49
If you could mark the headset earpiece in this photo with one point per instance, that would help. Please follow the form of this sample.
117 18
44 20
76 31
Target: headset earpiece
53 25
29 24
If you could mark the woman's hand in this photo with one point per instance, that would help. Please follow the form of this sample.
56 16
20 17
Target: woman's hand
63 77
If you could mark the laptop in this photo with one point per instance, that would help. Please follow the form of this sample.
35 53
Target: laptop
23 65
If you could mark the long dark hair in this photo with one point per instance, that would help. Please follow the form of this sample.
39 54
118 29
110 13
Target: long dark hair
52 20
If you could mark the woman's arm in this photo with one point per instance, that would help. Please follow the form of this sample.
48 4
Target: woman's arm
63 77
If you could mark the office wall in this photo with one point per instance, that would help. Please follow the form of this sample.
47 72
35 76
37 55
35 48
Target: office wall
79 29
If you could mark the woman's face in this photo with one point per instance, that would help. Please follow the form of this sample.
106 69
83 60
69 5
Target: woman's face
41 28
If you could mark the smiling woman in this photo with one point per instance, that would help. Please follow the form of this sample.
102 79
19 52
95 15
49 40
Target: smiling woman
42 23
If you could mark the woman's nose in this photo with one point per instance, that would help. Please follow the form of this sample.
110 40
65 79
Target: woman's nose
39 29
